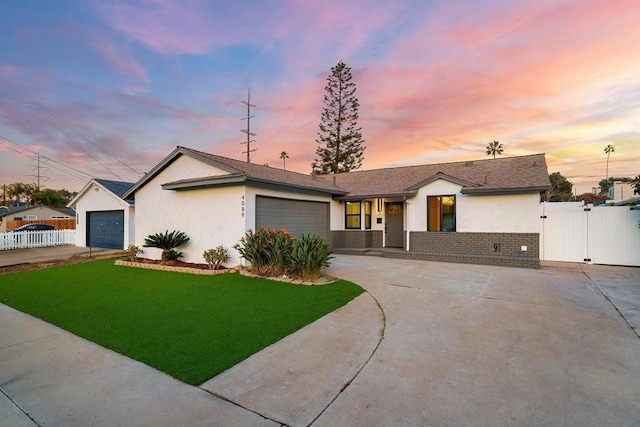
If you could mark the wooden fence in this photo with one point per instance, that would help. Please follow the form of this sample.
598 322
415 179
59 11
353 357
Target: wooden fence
36 239
59 224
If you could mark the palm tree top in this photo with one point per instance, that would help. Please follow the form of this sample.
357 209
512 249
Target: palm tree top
494 148
610 148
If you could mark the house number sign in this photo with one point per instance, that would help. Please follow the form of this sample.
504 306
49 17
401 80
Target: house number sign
242 207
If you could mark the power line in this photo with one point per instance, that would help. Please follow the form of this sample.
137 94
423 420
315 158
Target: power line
31 102
77 173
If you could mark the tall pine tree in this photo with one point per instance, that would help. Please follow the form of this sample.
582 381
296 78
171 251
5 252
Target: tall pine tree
339 141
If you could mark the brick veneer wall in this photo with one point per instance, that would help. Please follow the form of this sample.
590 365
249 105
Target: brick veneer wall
476 248
356 239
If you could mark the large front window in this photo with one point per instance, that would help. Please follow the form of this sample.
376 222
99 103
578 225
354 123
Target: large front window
441 213
352 215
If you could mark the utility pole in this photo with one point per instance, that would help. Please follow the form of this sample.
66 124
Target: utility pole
248 129
37 168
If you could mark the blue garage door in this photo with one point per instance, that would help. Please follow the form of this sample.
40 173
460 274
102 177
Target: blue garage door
105 229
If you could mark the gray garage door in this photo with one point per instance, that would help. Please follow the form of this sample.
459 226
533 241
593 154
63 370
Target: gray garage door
296 216
105 229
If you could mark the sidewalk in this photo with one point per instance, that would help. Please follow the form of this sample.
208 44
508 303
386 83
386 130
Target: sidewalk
49 254
58 378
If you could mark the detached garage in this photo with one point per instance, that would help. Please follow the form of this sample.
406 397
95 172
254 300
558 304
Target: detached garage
103 218
295 216
105 229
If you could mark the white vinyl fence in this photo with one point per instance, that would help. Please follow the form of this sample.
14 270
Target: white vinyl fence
36 239
598 235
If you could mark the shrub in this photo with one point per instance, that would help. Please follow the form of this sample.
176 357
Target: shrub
167 242
133 252
267 250
173 255
309 256
278 252
215 258
274 253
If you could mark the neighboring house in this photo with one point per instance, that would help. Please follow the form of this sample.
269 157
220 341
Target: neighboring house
485 211
103 218
36 213
621 191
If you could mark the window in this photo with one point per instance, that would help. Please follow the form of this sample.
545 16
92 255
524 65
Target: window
32 217
352 215
367 215
441 213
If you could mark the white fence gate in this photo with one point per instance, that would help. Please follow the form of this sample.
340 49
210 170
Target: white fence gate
36 239
598 235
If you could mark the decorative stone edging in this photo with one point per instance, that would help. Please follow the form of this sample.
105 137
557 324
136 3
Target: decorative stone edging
173 268
318 282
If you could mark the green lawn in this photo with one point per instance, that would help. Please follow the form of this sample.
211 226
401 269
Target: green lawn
190 326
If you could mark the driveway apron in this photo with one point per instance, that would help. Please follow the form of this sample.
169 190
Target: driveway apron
483 345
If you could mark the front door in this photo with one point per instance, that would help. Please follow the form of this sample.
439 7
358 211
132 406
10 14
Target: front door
393 227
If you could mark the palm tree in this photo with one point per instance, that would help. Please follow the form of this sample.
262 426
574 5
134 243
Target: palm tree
284 156
608 149
167 242
494 148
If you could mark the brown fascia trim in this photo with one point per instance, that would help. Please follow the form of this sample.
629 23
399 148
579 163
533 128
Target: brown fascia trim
498 191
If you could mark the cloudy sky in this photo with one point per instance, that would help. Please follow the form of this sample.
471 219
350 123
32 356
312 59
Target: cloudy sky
109 88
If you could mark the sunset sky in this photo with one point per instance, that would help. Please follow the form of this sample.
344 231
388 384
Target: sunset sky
109 88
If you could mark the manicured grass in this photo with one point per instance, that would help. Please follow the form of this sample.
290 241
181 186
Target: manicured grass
191 327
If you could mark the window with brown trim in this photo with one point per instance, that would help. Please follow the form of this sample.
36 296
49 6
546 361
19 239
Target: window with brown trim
441 213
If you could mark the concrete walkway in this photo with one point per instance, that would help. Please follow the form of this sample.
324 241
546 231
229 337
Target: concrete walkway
453 345
48 254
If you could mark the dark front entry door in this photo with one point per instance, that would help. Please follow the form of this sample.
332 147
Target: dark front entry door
393 228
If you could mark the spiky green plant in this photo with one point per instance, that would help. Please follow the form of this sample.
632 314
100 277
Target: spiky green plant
309 256
167 241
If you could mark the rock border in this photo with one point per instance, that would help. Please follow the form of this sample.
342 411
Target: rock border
324 280
173 268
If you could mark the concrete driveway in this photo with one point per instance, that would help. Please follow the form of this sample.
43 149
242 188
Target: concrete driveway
480 345
431 344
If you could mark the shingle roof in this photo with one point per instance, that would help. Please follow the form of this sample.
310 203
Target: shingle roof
15 210
524 174
488 176
239 171
116 187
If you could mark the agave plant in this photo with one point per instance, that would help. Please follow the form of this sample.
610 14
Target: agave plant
166 241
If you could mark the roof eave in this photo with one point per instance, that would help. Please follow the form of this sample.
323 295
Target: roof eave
328 191
204 183
498 191
405 194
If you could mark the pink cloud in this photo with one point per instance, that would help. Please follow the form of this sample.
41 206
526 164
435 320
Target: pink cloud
121 61
169 27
